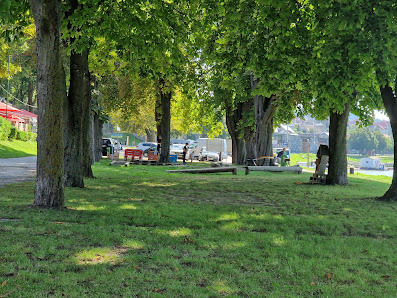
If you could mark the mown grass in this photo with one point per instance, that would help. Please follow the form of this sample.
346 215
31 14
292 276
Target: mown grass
138 231
16 148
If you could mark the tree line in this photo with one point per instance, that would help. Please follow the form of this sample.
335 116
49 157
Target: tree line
258 63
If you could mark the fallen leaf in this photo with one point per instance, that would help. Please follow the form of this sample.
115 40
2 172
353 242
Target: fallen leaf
329 276
160 291
3 283
386 276
312 283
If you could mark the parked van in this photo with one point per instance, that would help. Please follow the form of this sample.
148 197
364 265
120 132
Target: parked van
214 145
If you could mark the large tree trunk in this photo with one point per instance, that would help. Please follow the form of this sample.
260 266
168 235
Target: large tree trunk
337 169
30 95
390 102
157 115
97 126
73 133
165 122
51 93
150 135
86 121
264 111
259 140
233 117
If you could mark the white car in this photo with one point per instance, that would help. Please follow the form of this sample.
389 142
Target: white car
146 145
208 155
177 149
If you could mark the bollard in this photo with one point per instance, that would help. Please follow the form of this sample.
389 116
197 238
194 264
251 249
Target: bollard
352 171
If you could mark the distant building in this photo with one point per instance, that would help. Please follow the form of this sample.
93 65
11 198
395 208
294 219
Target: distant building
21 119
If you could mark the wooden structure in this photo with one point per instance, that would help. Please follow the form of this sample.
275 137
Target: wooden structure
133 153
206 170
295 169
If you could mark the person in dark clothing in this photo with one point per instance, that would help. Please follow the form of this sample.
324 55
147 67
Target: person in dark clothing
158 148
184 152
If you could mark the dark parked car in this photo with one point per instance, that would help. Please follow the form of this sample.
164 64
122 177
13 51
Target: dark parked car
107 143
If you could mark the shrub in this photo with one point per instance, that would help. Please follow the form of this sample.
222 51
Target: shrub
13 133
5 129
26 136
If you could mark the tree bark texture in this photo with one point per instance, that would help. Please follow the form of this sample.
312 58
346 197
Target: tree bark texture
258 140
165 122
97 127
150 135
30 95
264 111
73 127
390 102
233 117
157 114
337 170
86 123
51 93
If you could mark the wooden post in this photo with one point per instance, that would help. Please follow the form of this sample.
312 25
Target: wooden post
247 170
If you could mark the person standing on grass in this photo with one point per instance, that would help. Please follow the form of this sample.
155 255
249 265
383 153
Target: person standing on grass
184 152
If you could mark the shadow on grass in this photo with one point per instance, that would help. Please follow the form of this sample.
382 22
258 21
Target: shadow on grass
141 232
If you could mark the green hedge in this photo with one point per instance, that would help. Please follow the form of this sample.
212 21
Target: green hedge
10 132
5 129
13 133
26 136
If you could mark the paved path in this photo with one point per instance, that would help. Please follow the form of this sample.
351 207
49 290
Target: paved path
14 170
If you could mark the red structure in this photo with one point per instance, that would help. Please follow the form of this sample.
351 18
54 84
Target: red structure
23 120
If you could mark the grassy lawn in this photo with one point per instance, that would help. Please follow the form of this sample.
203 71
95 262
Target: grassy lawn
15 148
138 231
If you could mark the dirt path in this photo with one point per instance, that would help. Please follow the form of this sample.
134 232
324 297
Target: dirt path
13 170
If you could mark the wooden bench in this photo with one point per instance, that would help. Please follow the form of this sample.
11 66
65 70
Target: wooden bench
296 169
206 170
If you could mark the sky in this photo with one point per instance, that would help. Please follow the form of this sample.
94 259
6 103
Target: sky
381 115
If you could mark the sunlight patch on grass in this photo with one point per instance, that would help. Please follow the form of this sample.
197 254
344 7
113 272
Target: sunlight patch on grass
133 244
347 209
228 216
260 216
134 199
279 241
222 288
89 208
232 226
175 233
128 206
100 255
278 217
163 184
